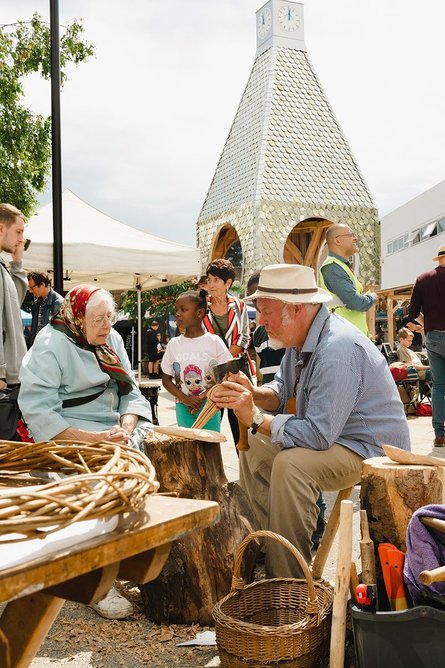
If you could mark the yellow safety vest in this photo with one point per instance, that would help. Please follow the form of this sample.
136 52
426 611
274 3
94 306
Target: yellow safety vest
358 318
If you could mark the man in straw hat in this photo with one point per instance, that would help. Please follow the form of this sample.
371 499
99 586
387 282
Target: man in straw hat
347 407
428 298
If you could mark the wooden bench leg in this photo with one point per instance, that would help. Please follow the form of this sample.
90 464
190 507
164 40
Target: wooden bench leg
329 534
25 623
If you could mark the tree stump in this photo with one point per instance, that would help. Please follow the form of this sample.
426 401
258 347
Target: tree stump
390 493
199 569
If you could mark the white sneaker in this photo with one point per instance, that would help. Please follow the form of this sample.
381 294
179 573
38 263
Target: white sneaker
113 606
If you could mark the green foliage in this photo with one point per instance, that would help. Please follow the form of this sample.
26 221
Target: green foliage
235 254
155 303
237 289
25 137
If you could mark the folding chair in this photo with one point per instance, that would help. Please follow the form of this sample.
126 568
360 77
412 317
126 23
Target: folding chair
409 391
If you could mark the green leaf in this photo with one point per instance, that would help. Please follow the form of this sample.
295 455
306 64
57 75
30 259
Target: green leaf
25 137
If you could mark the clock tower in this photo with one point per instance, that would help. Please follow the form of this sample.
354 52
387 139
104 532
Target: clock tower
280 23
286 172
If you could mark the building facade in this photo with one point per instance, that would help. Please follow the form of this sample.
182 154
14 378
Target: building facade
411 236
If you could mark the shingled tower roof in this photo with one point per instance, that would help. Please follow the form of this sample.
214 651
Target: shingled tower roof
286 160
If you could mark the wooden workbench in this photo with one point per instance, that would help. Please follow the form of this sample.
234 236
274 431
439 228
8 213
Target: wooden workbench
136 550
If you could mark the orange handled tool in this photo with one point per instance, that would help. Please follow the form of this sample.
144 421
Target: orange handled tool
398 596
392 559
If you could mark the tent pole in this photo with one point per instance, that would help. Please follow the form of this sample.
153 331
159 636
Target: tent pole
139 334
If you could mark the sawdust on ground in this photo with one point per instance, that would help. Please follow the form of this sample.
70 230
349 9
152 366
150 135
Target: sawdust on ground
81 638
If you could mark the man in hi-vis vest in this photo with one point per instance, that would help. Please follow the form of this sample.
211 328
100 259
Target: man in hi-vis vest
337 277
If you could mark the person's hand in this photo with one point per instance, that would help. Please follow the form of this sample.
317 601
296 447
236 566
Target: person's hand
194 403
238 398
241 379
373 295
17 253
128 422
235 350
115 435
3 384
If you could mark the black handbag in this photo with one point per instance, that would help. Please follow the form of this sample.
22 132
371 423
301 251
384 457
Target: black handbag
10 413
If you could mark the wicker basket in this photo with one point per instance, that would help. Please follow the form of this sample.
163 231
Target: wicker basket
283 622
99 480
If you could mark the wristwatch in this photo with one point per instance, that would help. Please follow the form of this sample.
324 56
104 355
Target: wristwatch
257 421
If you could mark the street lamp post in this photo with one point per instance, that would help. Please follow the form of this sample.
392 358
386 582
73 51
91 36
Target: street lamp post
56 147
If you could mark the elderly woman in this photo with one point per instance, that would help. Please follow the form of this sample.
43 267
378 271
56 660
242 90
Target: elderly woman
227 317
77 384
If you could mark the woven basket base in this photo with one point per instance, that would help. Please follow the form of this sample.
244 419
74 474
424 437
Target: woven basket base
307 661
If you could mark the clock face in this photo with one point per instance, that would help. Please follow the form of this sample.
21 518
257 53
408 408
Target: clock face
289 18
264 22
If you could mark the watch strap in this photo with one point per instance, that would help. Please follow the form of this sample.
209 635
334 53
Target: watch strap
257 421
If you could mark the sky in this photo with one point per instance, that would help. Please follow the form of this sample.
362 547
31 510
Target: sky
144 122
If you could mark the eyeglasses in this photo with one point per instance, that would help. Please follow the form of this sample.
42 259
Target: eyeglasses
102 319
350 234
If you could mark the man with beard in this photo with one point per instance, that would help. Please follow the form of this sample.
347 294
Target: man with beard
347 407
13 288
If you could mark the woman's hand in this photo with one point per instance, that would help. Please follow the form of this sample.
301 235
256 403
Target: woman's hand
129 422
235 351
116 434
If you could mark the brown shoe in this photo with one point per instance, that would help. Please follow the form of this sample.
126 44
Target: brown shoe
439 441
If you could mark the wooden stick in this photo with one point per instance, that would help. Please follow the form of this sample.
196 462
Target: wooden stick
436 575
434 523
367 551
342 578
210 409
353 582
329 534
243 441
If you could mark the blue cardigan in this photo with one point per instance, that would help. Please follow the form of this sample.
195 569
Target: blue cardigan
55 369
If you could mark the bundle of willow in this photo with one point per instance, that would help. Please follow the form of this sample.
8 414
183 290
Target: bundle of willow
100 479
209 410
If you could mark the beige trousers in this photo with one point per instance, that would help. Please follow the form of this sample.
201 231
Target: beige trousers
283 487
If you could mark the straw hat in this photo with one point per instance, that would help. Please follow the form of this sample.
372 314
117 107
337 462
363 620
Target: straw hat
440 254
291 283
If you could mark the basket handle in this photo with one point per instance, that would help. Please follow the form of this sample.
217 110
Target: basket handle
239 584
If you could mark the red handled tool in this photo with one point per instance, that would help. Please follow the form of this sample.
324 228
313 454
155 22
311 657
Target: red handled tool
366 597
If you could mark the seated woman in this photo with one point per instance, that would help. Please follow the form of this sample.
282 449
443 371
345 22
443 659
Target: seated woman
409 357
77 384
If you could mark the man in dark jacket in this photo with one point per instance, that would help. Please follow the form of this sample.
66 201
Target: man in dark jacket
428 300
46 302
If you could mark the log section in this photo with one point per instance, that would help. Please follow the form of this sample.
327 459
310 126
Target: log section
391 492
199 569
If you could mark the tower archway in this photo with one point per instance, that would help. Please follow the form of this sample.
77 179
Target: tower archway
227 244
305 242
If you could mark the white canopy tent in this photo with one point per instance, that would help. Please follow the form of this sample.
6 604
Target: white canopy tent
98 248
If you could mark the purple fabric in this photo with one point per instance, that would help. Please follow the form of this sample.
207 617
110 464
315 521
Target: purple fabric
425 551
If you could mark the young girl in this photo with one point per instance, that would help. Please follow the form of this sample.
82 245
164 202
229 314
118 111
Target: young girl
188 360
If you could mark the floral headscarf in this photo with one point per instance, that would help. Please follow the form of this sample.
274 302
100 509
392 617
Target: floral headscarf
70 320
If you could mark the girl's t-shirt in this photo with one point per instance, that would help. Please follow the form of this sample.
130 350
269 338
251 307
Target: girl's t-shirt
190 361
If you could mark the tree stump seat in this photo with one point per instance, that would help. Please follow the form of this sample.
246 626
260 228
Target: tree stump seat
198 571
391 492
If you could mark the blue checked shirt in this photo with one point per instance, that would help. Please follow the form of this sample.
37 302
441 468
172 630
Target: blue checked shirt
345 393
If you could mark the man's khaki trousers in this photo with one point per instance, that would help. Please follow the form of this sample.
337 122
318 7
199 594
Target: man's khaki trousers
283 487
